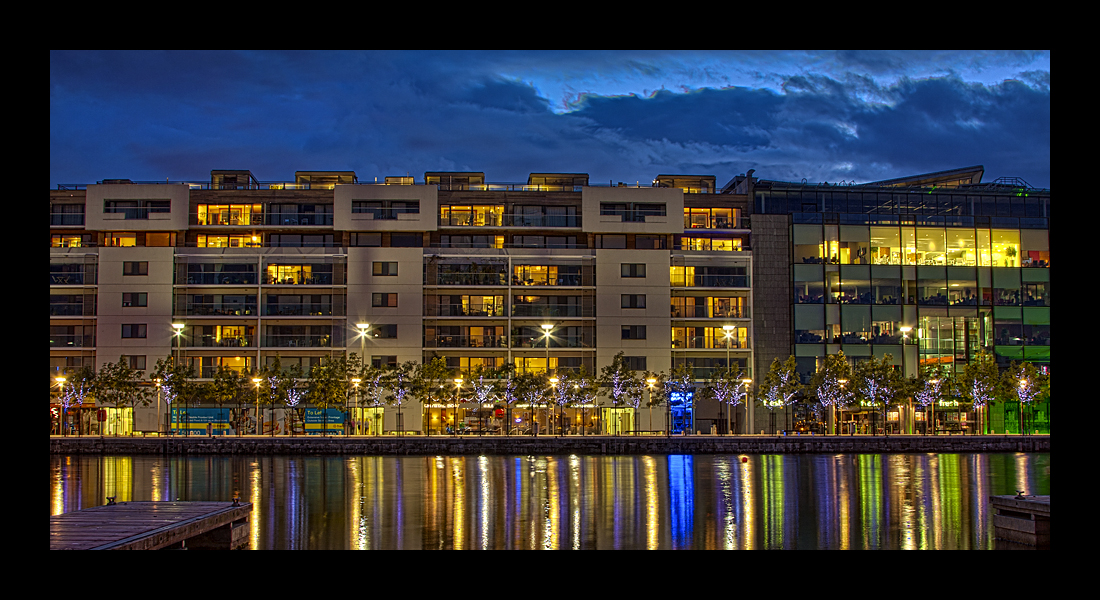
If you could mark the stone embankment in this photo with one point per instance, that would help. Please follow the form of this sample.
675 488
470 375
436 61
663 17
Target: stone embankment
523 445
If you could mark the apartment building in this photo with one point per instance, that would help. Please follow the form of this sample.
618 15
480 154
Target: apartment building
553 274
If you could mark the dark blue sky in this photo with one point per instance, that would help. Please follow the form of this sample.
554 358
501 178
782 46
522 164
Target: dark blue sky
618 116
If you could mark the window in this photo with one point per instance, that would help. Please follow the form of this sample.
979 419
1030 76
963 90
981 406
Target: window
633 332
633 270
633 300
135 299
650 242
72 240
370 240
384 331
136 209
135 268
136 330
67 214
385 209
385 269
135 362
406 240
382 362
611 241
384 300
635 363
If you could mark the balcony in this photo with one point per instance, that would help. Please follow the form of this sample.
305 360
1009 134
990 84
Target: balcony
459 310
466 341
299 279
488 219
300 341
221 278
298 310
210 341
72 341
218 310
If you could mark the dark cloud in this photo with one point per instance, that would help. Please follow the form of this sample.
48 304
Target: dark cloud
177 115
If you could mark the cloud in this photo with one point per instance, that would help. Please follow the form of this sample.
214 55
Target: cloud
621 116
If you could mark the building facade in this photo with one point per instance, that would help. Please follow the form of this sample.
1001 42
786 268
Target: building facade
237 273
929 269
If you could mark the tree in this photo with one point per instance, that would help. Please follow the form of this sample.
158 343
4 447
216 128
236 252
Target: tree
77 388
329 386
176 384
428 380
830 384
508 395
483 387
620 382
876 383
780 385
530 387
931 386
372 385
727 386
228 385
1027 384
680 383
981 385
117 383
585 389
402 381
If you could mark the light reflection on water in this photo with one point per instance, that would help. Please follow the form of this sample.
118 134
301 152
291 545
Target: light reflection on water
845 501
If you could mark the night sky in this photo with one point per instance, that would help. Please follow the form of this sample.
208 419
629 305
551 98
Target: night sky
618 116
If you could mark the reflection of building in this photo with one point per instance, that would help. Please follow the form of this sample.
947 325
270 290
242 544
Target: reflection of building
964 264
455 267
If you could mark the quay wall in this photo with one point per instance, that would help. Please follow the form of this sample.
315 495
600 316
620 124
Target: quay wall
517 445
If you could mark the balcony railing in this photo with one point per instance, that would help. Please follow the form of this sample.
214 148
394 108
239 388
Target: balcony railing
458 310
711 281
471 279
70 279
72 341
701 341
300 341
219 310
302 310
312 279
508 220
556 341
466 341
209 341
221 278
701 312
72 309
537 310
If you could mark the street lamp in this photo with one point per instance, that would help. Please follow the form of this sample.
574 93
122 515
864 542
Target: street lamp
650 381
458 392
554 389
934 399
841 383
355 417
729 331
748 406
61 391
179 335
257 381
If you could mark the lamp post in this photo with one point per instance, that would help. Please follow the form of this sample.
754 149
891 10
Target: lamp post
61 391
157 381
905 335
933 405
729 332
458 392
257 381
749 424
553 391
178 327
836 429
650 381
355 417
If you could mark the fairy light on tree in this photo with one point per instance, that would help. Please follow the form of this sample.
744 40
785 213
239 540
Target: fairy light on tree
781 384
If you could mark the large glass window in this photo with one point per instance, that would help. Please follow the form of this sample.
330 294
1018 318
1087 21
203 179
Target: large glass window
962 250
808 244
1006 247
885 284
885 246
229 214
931 247
855 285
809 286
962 286
854 245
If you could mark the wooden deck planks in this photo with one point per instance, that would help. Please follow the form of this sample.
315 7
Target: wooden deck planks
140 525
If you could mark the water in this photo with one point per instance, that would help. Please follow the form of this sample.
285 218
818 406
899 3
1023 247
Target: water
844 501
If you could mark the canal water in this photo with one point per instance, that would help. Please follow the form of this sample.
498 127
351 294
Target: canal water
842 501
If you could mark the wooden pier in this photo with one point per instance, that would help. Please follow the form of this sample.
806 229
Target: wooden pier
1021 522
153 526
